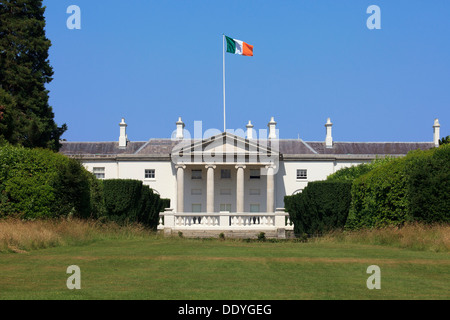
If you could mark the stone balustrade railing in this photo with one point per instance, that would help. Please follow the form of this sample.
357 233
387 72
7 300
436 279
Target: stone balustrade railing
225 220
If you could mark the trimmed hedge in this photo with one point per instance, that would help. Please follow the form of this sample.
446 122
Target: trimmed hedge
429 185
412 188
39 183
353 172
379 197
322 206
129 200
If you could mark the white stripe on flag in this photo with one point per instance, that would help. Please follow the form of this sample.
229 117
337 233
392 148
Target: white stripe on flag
239 46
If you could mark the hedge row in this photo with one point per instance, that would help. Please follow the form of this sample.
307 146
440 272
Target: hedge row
39 183
353 172
388 191
130 201
411 188
321 207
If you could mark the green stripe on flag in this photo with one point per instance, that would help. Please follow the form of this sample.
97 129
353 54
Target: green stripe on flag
231 45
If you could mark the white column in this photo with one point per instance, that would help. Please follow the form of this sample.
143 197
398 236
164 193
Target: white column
210 187
270 188
240 188
180 187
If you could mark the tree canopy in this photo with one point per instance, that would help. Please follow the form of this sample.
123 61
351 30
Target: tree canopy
26 118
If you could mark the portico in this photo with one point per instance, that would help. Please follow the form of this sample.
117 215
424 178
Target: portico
214 188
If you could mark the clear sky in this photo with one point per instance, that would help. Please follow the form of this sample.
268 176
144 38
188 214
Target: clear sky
153 61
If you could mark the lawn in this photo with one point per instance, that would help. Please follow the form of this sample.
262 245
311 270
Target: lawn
155 267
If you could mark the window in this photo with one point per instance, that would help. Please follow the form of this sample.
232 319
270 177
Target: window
301 174
99 172
196 207
149 173
254 208
225 207
196 174
255 173
225 173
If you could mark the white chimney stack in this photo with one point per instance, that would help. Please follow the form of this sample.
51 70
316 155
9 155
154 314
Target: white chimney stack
436 132
272 130
123 138
180 128
329 138
249 127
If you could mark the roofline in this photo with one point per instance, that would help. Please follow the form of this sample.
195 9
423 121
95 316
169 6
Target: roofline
284 157
254 140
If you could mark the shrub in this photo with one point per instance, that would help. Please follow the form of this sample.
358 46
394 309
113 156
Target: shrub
412 188
379 197
428 185
39 183
262 236
128 200
321 207
353 172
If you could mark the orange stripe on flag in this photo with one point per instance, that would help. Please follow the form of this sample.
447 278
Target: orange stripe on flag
247 49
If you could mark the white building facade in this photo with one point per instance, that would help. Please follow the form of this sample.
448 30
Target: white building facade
229 183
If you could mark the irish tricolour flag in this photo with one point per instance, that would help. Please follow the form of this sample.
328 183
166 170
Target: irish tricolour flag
239 47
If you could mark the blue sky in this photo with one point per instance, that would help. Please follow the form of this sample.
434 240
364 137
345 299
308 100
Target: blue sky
153 61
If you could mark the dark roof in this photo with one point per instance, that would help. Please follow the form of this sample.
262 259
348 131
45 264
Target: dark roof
98 148
295 147
163 147
157 147
380 148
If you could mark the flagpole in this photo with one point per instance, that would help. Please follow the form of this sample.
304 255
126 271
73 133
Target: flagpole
223 71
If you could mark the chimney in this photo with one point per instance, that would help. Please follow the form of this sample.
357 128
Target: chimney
123 138
180 128
329 138
249 127
436 132
272 131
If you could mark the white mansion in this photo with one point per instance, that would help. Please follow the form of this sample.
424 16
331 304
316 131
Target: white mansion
232 183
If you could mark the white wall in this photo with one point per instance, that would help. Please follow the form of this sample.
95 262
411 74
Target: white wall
164 182
286 182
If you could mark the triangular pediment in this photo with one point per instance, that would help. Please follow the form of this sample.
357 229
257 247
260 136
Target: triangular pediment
227 145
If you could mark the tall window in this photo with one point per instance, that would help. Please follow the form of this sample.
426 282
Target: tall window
196 174
254 207
149 173
225 173
302 174
196 207
99 172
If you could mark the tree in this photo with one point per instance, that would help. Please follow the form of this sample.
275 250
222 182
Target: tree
444 140
25 115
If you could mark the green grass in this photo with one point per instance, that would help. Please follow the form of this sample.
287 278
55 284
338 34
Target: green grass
154 267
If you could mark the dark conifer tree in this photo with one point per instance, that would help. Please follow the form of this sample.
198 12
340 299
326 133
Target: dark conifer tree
26 118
